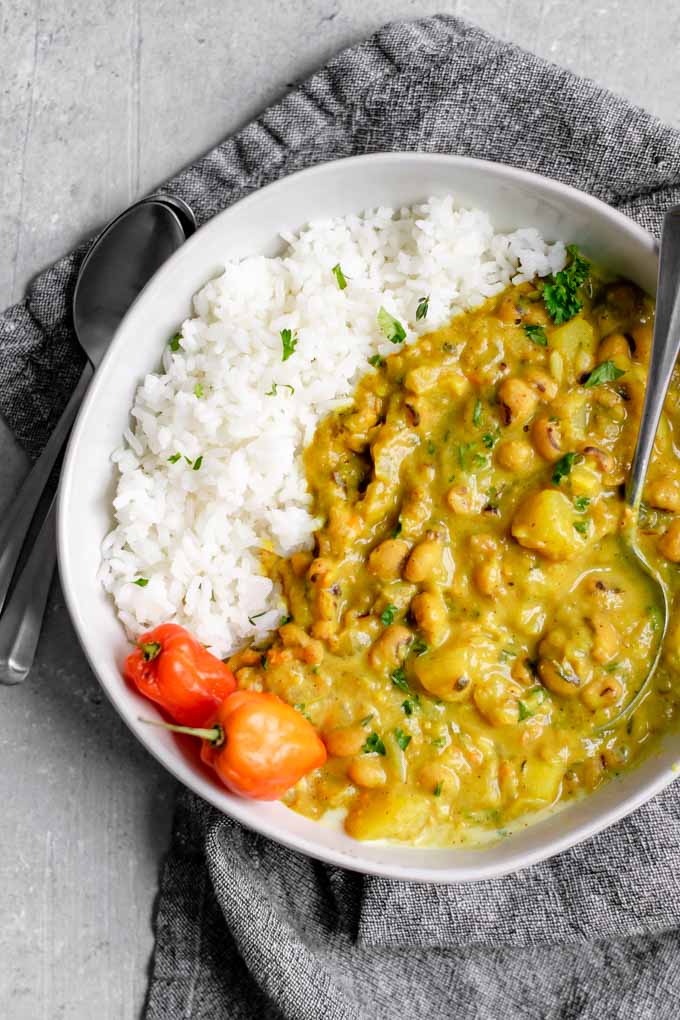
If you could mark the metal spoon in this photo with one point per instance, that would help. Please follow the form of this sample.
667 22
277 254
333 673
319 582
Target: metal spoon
665 349
120 262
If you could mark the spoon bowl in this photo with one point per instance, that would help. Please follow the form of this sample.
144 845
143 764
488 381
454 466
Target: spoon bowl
664 354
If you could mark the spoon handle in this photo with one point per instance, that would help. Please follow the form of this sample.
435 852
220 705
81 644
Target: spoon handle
15 526
21 622
665 349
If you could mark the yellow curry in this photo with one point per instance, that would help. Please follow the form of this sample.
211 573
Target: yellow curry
468 625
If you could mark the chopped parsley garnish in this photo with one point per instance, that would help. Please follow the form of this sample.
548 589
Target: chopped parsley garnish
288 342
423 307
397 529
255 616
373 744
174 342
439 742
198 390
563 467
388 614
398 678
403 739
408 706
339 276
560 292
263 662
536 334
438 789
284 620
581 504
605 372
490 439
198 462
272 391
366 720
463 450
175 457
524 712
141 582
477 413
376 360
479 460
390 327
188 460
419 647
582 527
431 448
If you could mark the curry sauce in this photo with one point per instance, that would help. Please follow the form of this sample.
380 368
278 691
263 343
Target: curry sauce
467 625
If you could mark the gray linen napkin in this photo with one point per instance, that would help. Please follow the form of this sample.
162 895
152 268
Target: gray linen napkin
246 929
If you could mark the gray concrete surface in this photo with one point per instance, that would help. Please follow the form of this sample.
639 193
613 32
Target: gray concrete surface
98 103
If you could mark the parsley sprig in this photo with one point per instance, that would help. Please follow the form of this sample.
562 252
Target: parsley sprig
606 371
289 342
560 292
390 327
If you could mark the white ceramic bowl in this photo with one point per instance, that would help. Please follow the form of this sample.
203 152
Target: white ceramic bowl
513 198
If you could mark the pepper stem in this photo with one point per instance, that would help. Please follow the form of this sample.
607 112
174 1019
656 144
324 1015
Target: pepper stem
215 735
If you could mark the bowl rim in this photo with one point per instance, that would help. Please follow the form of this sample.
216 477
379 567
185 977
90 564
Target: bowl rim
199 784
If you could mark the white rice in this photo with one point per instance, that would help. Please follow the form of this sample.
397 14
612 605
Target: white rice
195 535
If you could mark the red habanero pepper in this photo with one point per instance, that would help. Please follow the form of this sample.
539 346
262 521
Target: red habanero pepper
258 745
172 668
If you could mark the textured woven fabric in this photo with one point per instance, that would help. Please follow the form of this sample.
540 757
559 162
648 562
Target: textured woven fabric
246 929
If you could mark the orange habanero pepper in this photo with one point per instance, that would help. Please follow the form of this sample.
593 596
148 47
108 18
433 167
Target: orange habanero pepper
259 746
172 668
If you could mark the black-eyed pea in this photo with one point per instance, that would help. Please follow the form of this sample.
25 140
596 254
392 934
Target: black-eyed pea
488 577
669 543
497 700
546 436
559 678
391 647
542 383
249 678
604 461
325 630
521 672
460 499
367 772
614 348
387 560
430 613
515 455
617 756
606 640
664 493
424 561
603 692
346 741
319 570
517 400
436 776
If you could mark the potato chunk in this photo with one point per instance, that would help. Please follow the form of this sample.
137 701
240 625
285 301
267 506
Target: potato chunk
450 671
544 522
395 813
